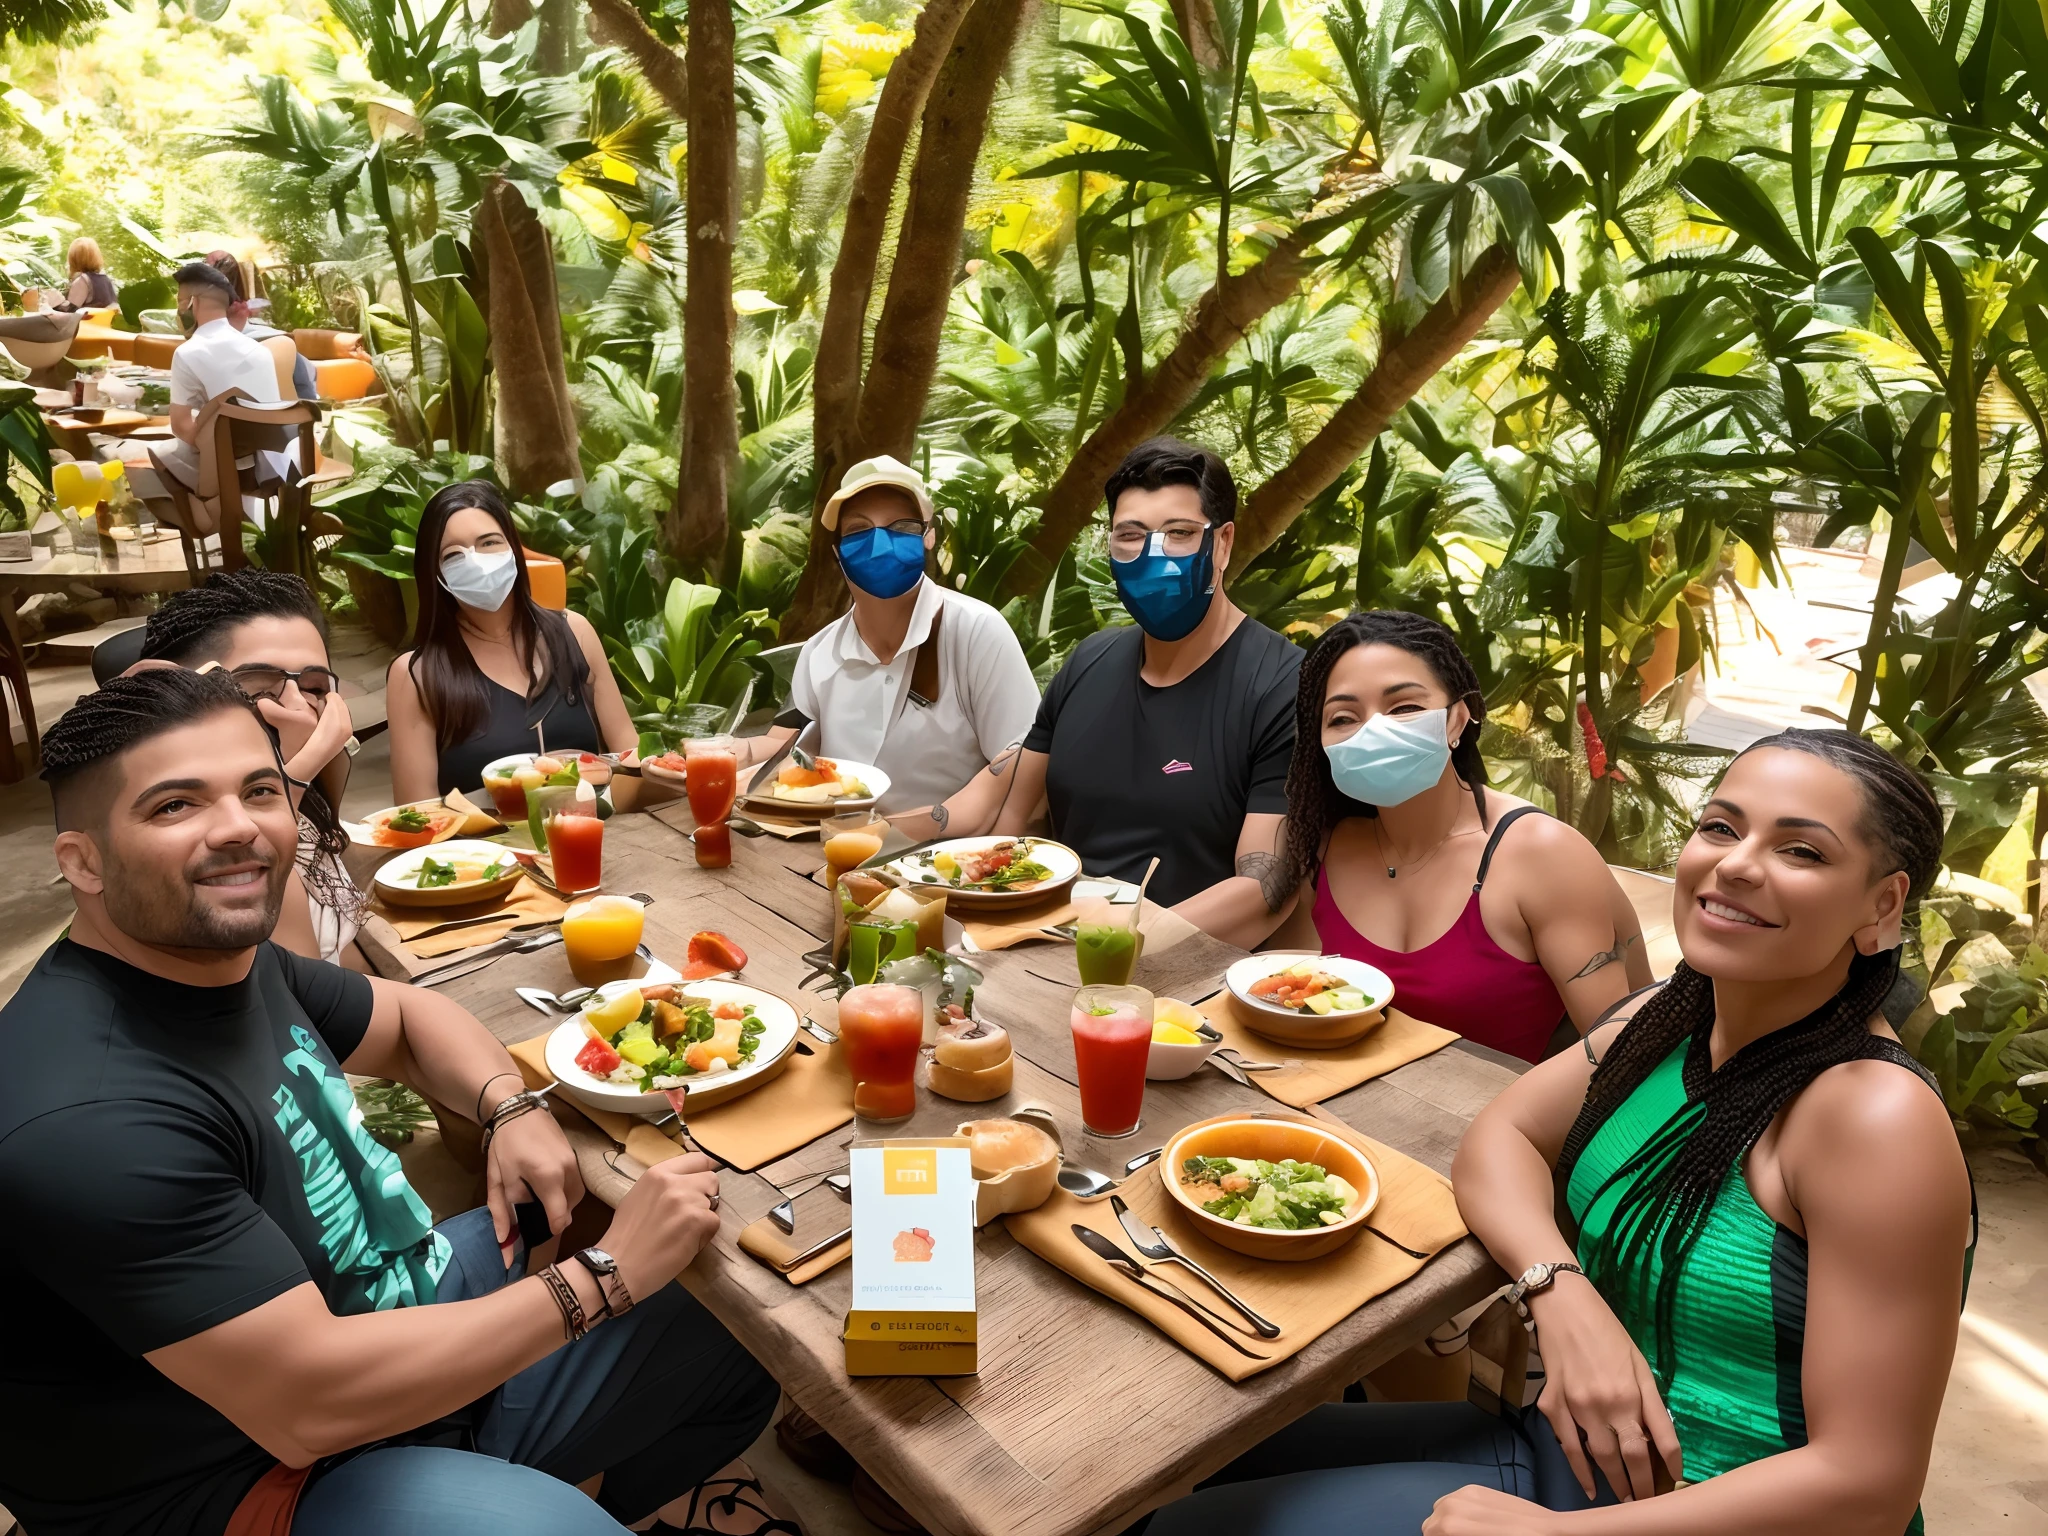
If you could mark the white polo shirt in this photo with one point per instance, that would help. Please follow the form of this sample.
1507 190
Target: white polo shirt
987 698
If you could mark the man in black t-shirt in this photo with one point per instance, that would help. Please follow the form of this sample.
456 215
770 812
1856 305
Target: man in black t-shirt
219 1284
1172 736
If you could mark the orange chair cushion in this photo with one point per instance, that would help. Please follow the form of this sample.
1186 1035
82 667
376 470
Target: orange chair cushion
549 580
342 378
155 351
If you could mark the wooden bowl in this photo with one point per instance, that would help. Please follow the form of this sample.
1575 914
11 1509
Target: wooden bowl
1274 1139
1308 1031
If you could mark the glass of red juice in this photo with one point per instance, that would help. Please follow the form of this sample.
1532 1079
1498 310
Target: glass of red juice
1112 1037
882 1027
711 777
576 845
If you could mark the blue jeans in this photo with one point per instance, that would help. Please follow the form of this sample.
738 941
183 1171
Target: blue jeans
657 1401
1376 1469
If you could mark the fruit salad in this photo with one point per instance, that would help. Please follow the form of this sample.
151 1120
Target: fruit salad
816 781
1306 988
658 1037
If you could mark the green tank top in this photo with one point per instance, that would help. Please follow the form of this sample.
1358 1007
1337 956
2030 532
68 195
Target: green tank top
1739 1314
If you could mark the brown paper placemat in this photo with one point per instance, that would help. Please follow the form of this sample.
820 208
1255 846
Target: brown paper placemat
425 931
804 1273
811 1097
1307 1299
1017 925
1309 1076
818 1214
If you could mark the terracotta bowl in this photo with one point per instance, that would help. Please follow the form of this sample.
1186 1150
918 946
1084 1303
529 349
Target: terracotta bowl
1275 1140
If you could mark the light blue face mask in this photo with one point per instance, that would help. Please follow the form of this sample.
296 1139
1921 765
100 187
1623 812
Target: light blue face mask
1392 758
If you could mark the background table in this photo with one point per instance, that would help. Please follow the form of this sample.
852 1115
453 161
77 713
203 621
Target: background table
1082 1417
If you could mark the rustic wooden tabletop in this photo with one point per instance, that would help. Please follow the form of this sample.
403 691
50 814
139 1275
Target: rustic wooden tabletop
1082 1416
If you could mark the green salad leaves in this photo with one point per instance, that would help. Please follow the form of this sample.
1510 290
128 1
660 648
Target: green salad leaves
1286 1196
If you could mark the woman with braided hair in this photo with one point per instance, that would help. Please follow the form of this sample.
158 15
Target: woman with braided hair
1492 919
1739 1217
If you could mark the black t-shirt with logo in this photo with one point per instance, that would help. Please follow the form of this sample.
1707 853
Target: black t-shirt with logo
171 1157
1137 770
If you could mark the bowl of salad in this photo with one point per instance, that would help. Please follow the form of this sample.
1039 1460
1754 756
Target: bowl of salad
989 873
1317 1001
635 1040
1270 1187
450 874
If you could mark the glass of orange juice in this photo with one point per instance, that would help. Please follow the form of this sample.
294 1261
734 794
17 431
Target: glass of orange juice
850 841
600 937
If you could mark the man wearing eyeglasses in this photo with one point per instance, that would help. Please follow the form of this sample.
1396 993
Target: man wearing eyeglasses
1170 736
265 629
923 682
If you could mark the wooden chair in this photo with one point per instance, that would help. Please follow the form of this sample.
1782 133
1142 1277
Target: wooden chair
14 670
233 429
283 357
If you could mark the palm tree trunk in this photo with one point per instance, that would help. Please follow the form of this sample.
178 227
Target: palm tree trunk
536 427
1405 364
842 335
906 349
615 24
697 523
1200 30
1222 316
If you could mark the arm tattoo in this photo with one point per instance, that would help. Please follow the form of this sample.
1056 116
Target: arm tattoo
1265 868
1007 756
940 816
1607 957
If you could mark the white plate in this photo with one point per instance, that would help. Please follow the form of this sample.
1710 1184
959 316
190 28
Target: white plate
518 759
395 876
1062 861
876 780
778 1035
1375 983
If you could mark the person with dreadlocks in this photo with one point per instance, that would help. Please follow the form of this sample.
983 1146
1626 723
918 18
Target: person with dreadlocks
237 1318
1738 1217
1491 918
266 631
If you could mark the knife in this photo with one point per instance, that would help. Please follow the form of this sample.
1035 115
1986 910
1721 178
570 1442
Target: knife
1150 1241
1132 1270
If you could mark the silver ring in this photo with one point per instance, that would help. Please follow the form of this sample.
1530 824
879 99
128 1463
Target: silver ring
716 1196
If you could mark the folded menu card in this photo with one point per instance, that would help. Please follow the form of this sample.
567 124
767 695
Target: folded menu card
913 1259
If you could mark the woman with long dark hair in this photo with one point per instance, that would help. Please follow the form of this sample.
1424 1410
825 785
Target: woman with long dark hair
1492 919
1740 1220
491 672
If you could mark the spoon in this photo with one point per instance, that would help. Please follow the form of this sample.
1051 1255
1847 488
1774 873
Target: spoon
1086 1184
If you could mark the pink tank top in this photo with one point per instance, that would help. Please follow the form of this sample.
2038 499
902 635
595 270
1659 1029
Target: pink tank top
1464 980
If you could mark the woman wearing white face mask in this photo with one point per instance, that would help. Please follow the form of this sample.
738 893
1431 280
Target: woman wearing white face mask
492 672
1492 918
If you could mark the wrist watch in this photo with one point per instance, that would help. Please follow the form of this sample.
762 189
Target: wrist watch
1537 1277
618 1301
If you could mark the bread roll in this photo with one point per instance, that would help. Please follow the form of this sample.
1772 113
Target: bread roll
971 1045
997 1146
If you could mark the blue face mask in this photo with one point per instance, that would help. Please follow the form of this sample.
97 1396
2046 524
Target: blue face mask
881 561
1168 594
1391 758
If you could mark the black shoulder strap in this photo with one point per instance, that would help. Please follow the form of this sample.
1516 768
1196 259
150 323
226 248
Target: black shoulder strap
924 665
1493 842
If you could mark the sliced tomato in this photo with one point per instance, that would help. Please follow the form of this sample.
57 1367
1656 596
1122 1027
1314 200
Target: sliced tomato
597 1058
712 954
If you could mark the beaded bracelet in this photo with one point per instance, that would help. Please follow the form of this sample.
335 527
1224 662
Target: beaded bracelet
574 1323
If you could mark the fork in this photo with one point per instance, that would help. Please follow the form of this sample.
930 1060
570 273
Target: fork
1161 1251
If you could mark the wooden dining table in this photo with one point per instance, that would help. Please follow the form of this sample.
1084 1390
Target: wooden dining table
1082 1417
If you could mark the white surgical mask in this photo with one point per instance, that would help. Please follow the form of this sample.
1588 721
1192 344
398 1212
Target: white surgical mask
480 581
1392 758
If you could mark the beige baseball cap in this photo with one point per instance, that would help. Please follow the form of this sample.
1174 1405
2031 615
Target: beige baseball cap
868 474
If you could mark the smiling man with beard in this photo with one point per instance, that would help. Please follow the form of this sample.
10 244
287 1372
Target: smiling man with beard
219 1282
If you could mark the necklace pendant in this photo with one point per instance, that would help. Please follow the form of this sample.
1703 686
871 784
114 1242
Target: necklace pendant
1390 871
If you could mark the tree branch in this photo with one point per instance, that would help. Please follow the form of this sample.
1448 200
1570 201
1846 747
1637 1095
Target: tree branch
1405 364
906 349
615 24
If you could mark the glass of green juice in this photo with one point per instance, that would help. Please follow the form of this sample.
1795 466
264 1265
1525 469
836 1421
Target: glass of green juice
1107 942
